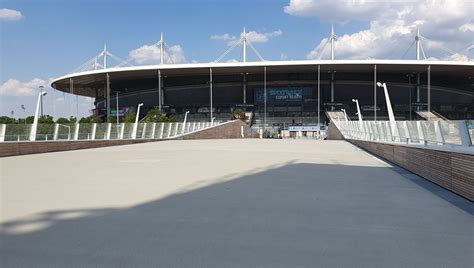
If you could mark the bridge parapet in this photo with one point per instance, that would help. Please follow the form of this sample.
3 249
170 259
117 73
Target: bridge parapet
440 151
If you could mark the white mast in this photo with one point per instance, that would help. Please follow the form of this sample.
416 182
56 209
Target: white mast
333 39
105 56
162 56
418 42
244 46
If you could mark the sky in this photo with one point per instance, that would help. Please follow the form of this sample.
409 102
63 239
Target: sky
44 39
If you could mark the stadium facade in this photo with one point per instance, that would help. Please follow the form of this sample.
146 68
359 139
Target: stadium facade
296 91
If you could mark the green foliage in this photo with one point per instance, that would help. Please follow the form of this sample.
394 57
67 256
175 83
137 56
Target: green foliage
6 120
155 115
89 120
62 120
72 119
30 119
46 119
130 118
113 119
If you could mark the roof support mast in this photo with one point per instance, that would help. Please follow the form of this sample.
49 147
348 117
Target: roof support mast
162 49
244 46
333 40
418 43
105 56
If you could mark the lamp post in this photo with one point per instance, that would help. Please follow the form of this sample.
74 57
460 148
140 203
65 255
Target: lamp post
391 116
35 120
345 114
358 109
41 92
184 121
135 125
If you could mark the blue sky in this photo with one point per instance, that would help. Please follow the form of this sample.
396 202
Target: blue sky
41 40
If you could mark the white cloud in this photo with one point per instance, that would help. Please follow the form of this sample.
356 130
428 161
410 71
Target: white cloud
10 14
225 37
253 37
13 87
151 55
467 27
447 24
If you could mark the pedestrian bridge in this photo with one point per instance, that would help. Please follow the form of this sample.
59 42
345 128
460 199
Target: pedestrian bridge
241 202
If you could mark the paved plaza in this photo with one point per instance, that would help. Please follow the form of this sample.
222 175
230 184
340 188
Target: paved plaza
221 203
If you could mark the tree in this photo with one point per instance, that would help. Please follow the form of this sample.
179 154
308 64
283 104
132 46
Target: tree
130 118
62 120
89 120
155 115
46 119
30 119
6 120
72 119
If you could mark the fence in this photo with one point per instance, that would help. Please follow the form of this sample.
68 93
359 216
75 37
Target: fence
99 131
450 135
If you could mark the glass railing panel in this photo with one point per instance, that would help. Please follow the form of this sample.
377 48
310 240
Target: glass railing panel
17 132
450 132
45 132
101 131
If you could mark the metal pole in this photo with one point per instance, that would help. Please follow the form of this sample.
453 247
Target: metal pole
244 88
319 93
117 108
332 90
210 91
375 92
41 92
418 99
409 93
108 96
264 98
159 90
429 88
161 49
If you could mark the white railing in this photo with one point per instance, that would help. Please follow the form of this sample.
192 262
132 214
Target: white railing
450 135
100 131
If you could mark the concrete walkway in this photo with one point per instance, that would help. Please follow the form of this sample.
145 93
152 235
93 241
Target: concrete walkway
220 203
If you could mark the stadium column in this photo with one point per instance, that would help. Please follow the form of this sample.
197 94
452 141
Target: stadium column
264 98
159 90
108 96
429 88
210 93
418 91
375 92
319 93
332 90
244 88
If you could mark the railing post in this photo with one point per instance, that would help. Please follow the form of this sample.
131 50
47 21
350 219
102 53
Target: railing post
169 129
438 132
153 127
56 130
144 130
407 133
122 130
176 129
162 126
3 128
94 128
109 131
421 133
76 132
194 126
464 133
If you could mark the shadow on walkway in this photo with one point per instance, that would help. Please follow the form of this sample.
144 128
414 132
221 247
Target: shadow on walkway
295 215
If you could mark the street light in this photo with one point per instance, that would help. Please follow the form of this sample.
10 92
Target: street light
135 125
358 109
345 114
41 91
184 122
35 120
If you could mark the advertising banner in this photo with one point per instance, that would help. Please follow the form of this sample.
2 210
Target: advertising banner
282 95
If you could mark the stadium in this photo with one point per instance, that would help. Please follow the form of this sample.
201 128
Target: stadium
277 92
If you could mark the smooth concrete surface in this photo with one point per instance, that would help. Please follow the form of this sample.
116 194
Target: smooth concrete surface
227 203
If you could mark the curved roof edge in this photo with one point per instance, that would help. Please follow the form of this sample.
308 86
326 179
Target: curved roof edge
262 64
